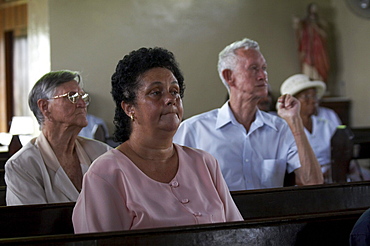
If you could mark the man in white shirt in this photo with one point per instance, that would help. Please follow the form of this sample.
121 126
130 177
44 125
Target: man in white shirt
329 114
254 149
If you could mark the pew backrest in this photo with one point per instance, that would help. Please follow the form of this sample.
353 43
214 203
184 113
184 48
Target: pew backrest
48 219
302 199
341 153
2 195
33 220
323 229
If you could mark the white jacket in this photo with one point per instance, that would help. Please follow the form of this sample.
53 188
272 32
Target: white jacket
33 175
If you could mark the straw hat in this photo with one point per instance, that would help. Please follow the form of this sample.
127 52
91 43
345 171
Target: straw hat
300 82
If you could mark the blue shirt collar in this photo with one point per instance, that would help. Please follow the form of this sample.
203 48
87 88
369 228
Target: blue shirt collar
225 116
263 118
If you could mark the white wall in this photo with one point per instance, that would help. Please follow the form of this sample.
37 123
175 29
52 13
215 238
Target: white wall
354 61
38 45
92 35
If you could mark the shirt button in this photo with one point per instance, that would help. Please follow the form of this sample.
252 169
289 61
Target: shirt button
246 160
198 214
183 201
174 184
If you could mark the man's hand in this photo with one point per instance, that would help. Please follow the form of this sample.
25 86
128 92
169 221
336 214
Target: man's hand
310 171
288 107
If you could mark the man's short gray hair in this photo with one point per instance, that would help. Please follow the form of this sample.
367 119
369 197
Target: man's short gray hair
227 59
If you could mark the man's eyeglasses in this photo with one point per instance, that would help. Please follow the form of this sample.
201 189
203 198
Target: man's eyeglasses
74 96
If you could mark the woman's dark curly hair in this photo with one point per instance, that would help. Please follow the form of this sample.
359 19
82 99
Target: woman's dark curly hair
126 79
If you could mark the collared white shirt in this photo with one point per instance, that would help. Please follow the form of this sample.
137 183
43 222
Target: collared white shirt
329 114
319 138
249 160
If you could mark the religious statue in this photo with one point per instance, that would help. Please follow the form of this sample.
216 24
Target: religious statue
312 44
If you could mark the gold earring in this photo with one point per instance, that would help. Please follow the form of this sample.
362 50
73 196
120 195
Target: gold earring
132 117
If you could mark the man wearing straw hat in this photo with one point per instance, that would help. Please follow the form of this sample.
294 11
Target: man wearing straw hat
319 131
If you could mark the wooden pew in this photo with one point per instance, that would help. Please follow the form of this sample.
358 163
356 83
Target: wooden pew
4 156
302 199
2 177
317 229
362 142
341 153
2 195
48 219
34 220
14 145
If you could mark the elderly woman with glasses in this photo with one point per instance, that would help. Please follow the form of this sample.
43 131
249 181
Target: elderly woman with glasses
49 169
318 130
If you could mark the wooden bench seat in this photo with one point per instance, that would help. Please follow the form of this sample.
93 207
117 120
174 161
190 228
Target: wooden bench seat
302 199
315 229
362 142
2 195
48 219
2 177
34 220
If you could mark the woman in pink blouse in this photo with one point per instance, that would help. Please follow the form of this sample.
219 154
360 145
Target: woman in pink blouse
148 181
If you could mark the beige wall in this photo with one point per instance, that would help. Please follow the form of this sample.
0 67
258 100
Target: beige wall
92 35
354 61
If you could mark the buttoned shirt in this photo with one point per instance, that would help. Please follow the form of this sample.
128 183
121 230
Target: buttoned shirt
117 195
249 160
320 138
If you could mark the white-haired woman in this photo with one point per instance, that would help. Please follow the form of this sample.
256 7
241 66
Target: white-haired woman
49 169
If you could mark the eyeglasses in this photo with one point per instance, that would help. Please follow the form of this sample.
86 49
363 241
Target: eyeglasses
74 96
308 97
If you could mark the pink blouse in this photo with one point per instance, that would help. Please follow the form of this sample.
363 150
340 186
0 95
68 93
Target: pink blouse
116 195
